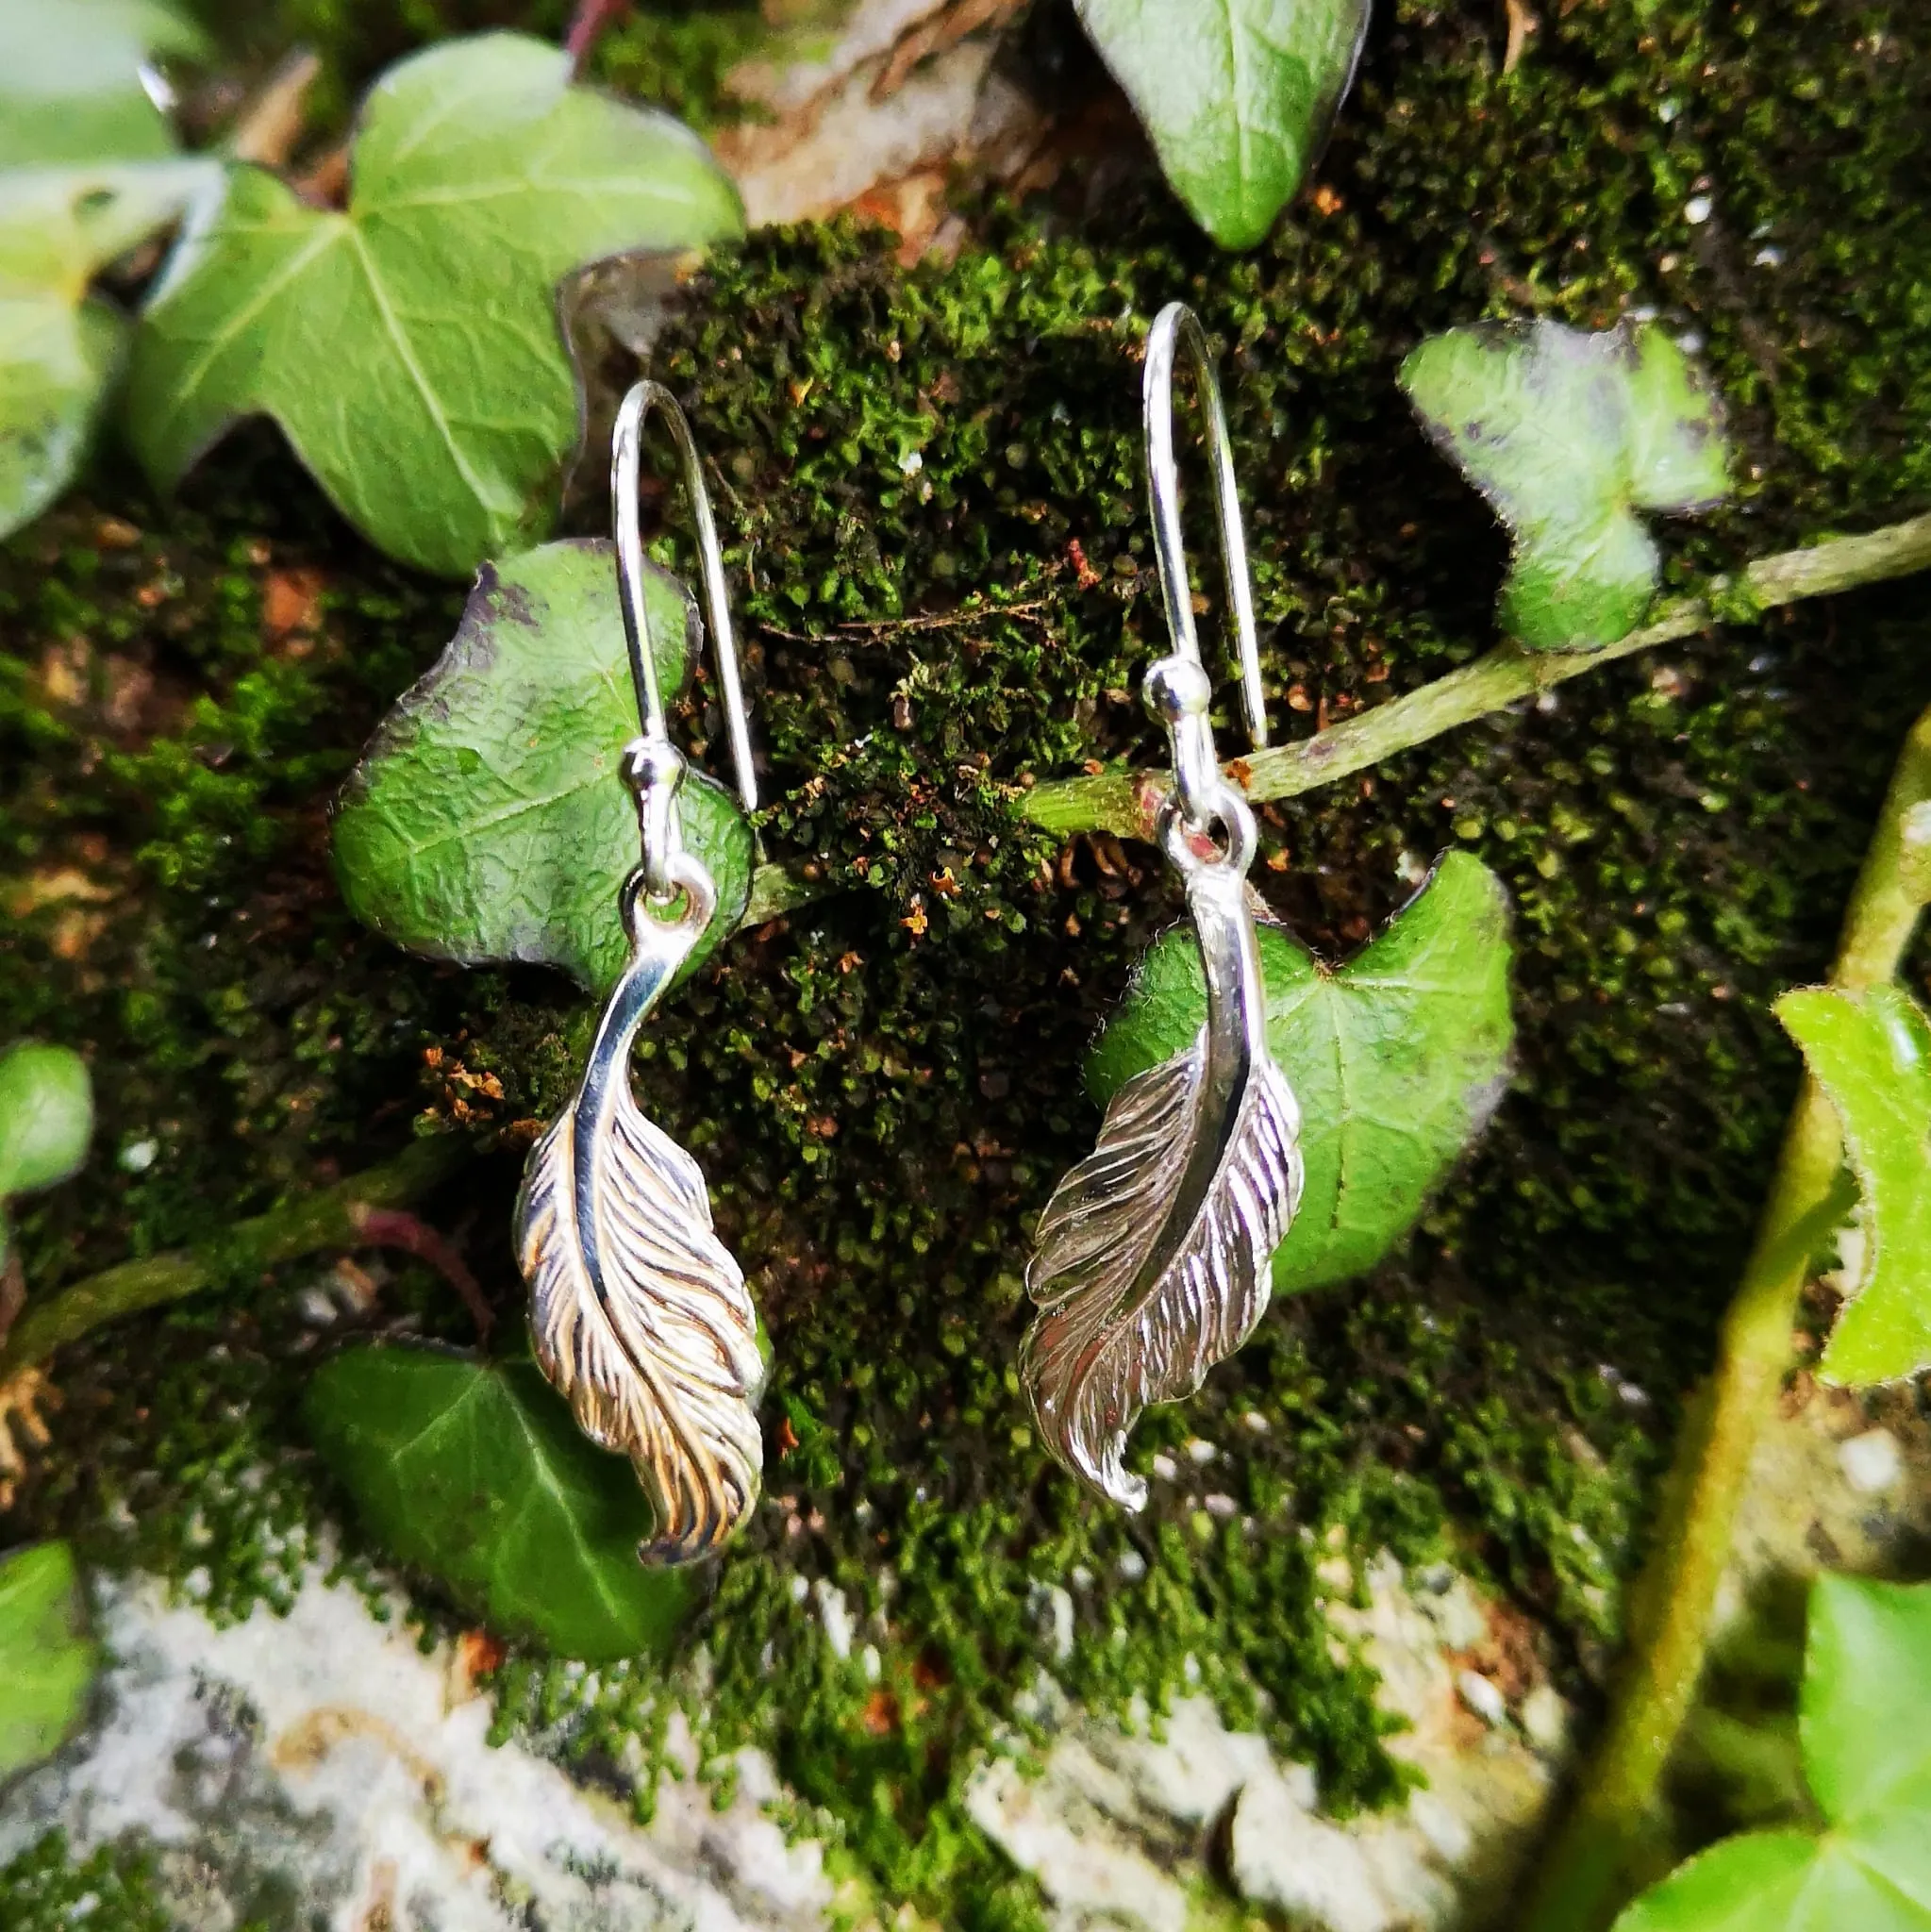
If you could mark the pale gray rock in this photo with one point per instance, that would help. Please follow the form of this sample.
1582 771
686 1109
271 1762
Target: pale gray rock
1120 1822
1872 1462
1053 1609
1324 1873
1483 1697
1545 1721
322 1763
1190 1774
1839 1481
1064 1829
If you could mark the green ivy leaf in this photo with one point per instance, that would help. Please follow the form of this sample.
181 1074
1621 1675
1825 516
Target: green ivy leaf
409 347
1397 1058
1871 1053
46 1117
1567 435
475 1474
487 820
69 79
61 348
1866 1731
1238 96
47 1659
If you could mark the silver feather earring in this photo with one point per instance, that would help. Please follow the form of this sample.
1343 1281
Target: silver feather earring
638 1313
1151 1260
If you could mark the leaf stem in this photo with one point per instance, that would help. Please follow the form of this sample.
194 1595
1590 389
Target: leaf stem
1592 1866
12 1290
1123 801
271 122
331 1218
390 1226
587 25
1118 801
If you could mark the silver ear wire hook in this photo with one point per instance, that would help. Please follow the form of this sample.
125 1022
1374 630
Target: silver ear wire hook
1176 327
638 1314
1197 771
653 767
1152 1258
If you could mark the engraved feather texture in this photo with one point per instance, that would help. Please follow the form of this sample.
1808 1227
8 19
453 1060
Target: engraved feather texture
638 1313
1151 1263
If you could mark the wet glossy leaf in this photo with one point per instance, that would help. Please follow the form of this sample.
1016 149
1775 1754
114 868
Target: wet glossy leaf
1871 1053
409 347
46 1116
1866 1734
476 1475
1397 1058
487 820
61 348
47 1658
1567 435
1238 96
69 79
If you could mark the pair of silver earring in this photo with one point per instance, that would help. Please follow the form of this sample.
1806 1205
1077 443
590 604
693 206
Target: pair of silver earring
1151 1260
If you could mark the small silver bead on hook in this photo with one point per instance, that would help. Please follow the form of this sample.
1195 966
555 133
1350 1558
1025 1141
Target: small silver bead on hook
1177 689
651 766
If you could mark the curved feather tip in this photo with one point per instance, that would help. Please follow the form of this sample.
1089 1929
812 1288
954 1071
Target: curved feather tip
642 1319
1151 1262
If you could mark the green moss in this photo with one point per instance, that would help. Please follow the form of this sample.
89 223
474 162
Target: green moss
883 1086
43 1890
674 55
162 848
678 57
192 1469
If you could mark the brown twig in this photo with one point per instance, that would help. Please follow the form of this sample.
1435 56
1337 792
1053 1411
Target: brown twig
396 1227
270 124
587 27
1522 24
21 1427
12 1292
888 627
932 36
945 620
326 184
979 612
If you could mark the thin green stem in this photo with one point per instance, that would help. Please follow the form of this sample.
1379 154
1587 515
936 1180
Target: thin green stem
331 1218
1117 801
1590 1868
1123 801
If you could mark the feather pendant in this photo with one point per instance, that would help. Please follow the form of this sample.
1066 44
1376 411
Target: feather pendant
1151 1260
638 1313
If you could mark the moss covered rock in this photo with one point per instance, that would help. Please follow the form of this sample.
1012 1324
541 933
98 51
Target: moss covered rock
932 478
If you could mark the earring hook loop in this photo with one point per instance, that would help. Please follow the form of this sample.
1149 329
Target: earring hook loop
1176 329
653 766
